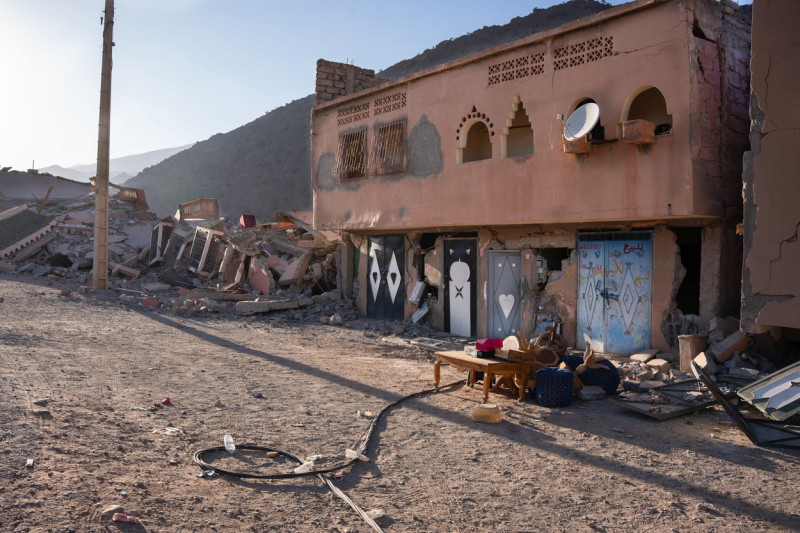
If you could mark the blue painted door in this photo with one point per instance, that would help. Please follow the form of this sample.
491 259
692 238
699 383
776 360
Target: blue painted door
504 295
615 291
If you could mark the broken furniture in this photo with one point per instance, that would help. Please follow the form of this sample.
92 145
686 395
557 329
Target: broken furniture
667 401
760 432
508 371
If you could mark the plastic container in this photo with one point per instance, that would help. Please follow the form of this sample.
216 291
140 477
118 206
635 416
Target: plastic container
366 414
120 517
229 445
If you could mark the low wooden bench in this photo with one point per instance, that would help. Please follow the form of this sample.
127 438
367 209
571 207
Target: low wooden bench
508 371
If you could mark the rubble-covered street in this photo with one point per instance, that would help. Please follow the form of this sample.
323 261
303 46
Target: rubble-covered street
83 370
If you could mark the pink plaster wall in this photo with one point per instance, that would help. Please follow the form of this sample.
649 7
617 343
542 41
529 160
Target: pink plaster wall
772 218
616 181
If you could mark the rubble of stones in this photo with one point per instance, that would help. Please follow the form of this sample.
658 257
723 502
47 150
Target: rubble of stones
280 271
731 357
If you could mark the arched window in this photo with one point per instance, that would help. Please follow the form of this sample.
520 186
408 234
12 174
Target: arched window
479 144
649 104
474 137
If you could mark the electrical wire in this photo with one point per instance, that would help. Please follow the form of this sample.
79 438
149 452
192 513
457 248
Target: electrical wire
365 439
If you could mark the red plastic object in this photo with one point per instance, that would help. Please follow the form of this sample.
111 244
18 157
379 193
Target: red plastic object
119 517
166 401
247 221
488 345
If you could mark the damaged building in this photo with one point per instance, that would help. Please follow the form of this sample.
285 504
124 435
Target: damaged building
770 286
588 175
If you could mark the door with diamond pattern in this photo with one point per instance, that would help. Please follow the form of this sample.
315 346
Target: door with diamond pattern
386 292
504 294
615 291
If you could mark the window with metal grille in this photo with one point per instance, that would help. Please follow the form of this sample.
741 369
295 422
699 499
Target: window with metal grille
351 157
389 151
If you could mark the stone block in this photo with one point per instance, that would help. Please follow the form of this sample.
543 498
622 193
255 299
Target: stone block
706 363
723 350
590 392
660 365
643 357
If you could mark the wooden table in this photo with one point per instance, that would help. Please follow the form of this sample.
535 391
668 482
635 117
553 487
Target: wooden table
507 370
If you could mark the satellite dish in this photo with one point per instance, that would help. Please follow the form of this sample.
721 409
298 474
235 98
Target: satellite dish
581 121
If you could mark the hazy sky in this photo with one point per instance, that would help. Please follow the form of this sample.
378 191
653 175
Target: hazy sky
185 70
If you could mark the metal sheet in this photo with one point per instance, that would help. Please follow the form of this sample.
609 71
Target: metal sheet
777 395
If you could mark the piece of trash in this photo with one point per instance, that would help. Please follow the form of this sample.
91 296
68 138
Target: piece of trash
298 425
272 455
308 466
166 401
65 292
137 409
206 473
154 368
110 409
352 454
229 445
366 414
376 513
123 493
314 458
119 517
171 430
336 477
257 395
29 463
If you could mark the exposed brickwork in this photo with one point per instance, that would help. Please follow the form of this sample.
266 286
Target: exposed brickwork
335 80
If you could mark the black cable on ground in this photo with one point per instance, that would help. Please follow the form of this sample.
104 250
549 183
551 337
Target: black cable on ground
198 456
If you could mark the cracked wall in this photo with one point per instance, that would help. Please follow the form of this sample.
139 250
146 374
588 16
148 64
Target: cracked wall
770 284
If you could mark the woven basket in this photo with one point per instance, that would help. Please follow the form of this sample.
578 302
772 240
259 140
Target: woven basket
553 387
608 380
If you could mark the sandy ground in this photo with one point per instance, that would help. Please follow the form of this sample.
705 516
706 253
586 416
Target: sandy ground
79 370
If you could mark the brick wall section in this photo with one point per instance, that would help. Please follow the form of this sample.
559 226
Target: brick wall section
720 39
335 80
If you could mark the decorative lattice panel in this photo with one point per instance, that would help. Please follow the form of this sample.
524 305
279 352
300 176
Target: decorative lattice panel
350 157
389 149
572 55
392 102
513 69
354 113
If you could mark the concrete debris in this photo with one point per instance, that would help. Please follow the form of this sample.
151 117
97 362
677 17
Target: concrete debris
723 350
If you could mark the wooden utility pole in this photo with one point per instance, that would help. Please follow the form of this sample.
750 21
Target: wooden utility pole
100 264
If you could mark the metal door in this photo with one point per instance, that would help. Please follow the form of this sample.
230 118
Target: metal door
459 303
386 298
504 294
615 291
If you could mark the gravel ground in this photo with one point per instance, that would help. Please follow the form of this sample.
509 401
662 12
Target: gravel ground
79 373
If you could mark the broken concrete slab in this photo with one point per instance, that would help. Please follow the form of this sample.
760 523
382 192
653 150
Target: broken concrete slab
260 277
661 365
723 350
265 306
645 356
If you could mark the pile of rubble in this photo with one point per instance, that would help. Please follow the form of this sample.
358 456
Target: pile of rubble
192 263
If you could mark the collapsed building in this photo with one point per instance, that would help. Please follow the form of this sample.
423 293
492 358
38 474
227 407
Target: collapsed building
588 175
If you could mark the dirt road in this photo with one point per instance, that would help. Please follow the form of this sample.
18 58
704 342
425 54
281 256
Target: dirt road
80 371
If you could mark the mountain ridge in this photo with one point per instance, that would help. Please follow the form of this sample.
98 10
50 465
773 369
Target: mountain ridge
264 166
